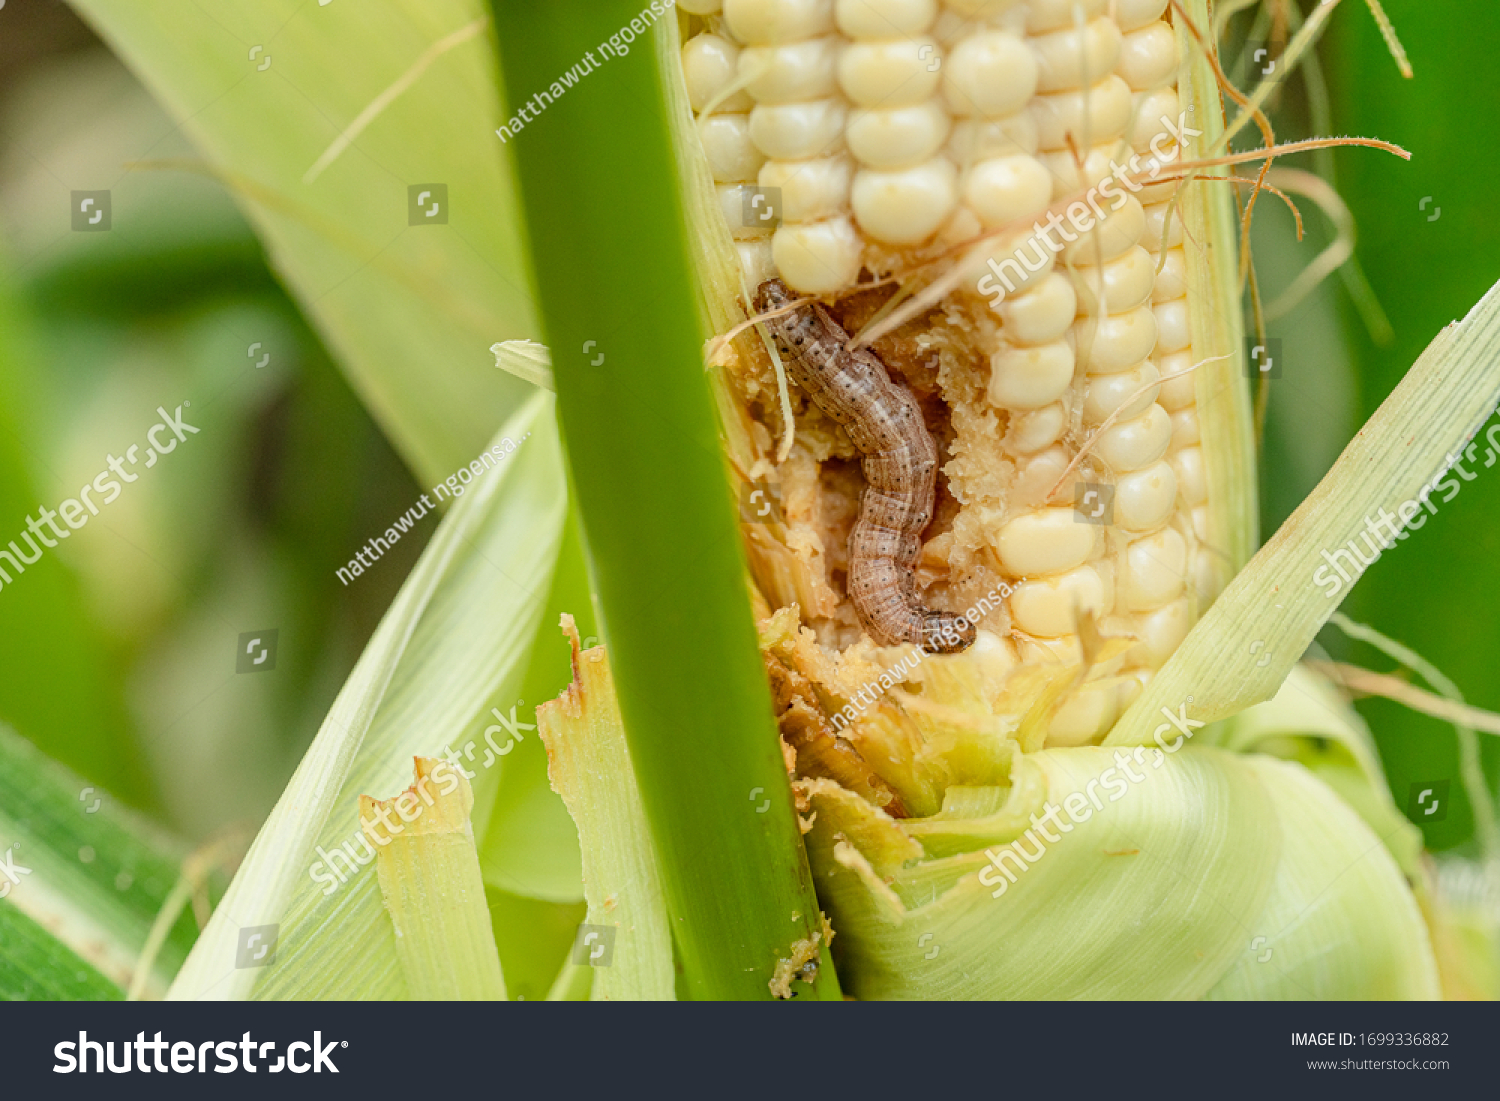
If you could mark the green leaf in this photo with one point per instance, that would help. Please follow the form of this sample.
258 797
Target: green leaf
97 874
35 967
384 294
456 639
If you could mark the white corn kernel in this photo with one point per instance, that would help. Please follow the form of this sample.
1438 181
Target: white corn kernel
1049 651
1070 59
1084 715
810 190
884 18
1097 114
1172 334
990 75
1192 480
1069 179
733 200
1200 523
891 74
1114 342
1107 395
1144 499
1050 15
1127 282
1037 474
1155 113
973 11
1171 281
731 153
819 257
1103 241
709 65
1005 189
1050 607
1148 58
799 131
1042 315
897 137
1156 218
1163 630
1204 571
1037 428
795 73
1029 378
1023 262
1179 390
975 140
1155 569
1046 542
1136 443
771 22
906 206
756 260
1185 431
1132 15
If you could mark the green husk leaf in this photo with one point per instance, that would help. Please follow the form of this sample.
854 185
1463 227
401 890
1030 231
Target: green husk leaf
1307 721
591 769
1145 899
456 638
1341 920
429 878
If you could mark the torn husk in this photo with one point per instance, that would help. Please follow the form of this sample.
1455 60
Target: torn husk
430 880
588 763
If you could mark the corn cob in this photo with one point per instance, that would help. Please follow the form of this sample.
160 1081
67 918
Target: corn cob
898 131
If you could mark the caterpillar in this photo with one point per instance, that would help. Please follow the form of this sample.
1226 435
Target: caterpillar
899 461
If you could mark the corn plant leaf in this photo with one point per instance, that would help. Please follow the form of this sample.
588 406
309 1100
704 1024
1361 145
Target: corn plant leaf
85 871
265 88
456 638
1276 605
36 967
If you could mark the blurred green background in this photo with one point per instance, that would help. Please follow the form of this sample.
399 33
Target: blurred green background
117 650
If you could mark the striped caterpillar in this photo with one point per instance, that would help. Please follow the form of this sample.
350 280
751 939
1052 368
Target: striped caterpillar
899 460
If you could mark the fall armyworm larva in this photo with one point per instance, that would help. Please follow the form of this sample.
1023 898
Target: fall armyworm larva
899 459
